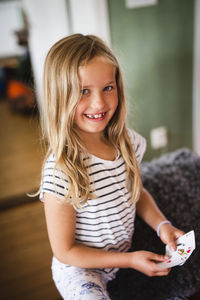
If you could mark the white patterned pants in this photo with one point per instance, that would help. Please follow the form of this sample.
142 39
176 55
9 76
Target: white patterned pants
79 284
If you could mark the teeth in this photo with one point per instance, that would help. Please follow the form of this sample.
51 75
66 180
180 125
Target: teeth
95 116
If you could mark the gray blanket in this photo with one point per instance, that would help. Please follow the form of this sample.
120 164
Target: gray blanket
174 182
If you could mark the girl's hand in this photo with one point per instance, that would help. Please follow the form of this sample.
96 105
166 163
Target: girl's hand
145 262
169 234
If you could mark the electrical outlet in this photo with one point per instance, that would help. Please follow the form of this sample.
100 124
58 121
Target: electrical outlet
159 138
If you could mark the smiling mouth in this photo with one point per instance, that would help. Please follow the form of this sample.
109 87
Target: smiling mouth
95 116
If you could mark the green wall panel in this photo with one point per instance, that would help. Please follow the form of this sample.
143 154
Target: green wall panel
154 45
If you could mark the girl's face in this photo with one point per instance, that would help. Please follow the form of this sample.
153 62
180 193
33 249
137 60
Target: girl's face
99 98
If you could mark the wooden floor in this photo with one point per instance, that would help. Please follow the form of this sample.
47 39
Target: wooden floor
25 255
20 153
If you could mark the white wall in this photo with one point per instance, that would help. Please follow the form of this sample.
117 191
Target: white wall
10 21
90 17
48 21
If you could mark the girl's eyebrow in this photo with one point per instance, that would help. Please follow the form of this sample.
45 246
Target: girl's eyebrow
105 84
85 86
111 82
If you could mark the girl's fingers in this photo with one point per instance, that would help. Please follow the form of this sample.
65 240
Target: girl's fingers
158 257
162 273
158 271
172 245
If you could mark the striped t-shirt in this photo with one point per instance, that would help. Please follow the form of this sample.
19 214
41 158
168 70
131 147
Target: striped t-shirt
106 222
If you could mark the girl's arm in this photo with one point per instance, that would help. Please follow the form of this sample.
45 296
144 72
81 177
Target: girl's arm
61 222
151 214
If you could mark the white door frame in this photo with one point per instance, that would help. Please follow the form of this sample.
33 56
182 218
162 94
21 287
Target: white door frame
48 21
90 17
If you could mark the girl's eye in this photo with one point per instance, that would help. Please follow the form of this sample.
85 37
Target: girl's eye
84 92
108 88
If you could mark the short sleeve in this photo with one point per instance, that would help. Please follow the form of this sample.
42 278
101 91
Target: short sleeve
54 180
139 144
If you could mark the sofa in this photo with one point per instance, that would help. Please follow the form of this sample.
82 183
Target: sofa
174 182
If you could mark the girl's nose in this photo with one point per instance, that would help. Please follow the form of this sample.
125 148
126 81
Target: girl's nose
98 101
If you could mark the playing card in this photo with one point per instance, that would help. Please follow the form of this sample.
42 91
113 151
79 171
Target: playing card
185 246
172 261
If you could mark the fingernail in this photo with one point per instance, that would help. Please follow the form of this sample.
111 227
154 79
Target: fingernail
166 257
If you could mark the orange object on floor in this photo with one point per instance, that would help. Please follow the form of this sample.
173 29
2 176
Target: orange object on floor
16 89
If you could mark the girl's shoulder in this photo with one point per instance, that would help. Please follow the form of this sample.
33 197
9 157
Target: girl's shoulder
49 166
138 142
54 180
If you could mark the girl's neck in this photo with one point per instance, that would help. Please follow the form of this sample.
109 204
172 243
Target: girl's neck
99 146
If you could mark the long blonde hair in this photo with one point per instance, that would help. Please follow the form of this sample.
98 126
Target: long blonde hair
61 96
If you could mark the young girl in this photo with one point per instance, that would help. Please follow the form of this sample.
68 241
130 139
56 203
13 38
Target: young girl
91 184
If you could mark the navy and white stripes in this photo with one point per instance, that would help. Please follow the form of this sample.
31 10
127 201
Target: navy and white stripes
106 222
